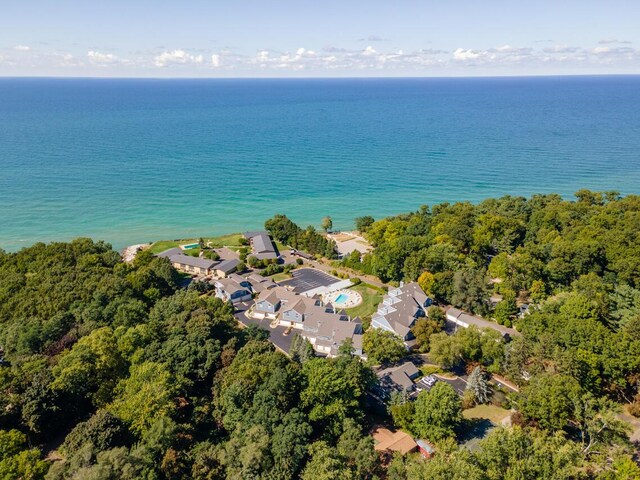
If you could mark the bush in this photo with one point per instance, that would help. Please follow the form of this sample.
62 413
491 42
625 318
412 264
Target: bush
356 281
299 261
468 399
211 255
272 269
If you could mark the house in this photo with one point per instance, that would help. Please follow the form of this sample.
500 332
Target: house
260 283
399 379
400 309
187 263
465 320
270 301
225 267
388 441
328 332
261 245
234 290
425 448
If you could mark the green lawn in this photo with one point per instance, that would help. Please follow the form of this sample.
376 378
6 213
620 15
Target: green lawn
232 240
278 277
488 411
371 297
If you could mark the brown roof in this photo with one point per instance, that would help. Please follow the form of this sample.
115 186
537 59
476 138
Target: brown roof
393 441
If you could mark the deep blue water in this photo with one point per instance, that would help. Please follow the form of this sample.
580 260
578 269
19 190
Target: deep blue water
131 161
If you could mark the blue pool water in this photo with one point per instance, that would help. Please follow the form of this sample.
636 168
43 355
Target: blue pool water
130 161
341 298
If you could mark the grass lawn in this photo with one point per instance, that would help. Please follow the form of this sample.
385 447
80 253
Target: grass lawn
488 411
278 277
280 246
232 239
371 297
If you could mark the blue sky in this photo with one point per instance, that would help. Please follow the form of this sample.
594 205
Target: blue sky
197 38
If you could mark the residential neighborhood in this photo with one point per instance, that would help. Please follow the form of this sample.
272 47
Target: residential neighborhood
400 309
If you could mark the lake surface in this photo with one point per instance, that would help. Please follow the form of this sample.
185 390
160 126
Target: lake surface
131 161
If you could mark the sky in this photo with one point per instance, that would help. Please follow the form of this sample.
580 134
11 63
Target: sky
321 38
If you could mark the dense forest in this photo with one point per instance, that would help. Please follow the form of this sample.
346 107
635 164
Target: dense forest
111 371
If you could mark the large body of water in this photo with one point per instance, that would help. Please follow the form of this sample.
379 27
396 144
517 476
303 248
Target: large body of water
130 161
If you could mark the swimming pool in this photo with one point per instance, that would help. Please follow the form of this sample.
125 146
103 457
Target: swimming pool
341 298
190 246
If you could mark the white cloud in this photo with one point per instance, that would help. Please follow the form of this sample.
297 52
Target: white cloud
215 60
177 57
462 54
98 58
22 48
369 51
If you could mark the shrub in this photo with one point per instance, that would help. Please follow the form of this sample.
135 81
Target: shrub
299 261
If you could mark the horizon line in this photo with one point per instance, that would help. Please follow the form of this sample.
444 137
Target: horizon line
409 77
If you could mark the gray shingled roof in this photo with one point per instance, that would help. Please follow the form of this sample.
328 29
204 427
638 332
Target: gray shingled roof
169 252
261 245
227 266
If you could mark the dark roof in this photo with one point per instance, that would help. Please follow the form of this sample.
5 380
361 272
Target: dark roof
175 255
401 376
261 245
467 319
171 251
227 266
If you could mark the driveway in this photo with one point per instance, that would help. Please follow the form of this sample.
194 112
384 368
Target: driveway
305 279
276 335
458 384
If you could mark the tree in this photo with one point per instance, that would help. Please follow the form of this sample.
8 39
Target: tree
146 395
470 290
301 349
363 223
17 460
506 309
549 400
382 346
478 384
426 281
334 389
523 453
327 224
325 464
402 410
423 329
103 431
438 413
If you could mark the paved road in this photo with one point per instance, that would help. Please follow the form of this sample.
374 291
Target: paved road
276 335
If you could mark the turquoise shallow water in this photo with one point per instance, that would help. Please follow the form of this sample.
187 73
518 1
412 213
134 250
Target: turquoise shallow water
130 161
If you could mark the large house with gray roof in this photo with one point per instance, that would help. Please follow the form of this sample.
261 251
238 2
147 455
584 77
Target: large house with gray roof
236 288
199 265
465 320
324 327
187 263
400 309
261 245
